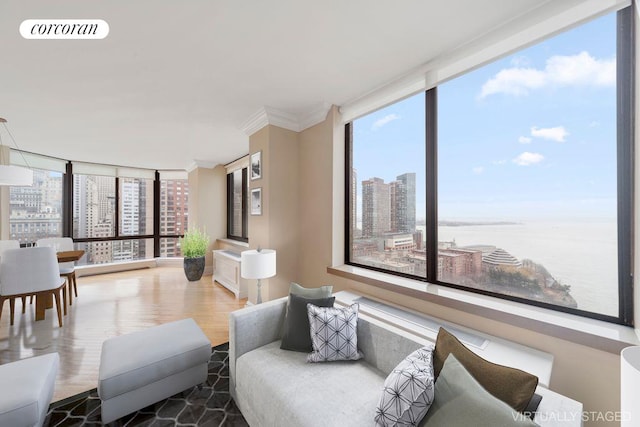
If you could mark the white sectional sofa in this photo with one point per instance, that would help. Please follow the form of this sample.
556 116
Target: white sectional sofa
274 387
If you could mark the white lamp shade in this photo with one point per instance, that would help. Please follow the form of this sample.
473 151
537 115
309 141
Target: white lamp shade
258 265
15 175
630 386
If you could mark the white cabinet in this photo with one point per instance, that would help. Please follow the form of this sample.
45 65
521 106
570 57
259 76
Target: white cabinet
226 271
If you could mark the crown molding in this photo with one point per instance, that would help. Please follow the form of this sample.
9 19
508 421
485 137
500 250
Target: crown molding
255 122
315 115
295 122
201 164
282 119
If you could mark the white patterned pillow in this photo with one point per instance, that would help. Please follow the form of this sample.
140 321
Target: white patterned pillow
408 390
333 333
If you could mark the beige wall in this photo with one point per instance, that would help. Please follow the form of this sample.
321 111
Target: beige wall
208 206
277 227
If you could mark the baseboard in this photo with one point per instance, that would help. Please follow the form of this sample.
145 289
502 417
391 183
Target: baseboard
90 270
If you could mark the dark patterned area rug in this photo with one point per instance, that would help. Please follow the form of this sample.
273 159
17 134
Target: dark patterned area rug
210 406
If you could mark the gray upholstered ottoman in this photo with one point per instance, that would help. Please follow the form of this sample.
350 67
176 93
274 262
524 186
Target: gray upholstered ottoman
143 367
26 389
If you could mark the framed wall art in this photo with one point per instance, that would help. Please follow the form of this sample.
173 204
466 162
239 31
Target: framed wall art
256 201
256 165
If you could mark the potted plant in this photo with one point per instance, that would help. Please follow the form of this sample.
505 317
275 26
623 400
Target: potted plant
194 246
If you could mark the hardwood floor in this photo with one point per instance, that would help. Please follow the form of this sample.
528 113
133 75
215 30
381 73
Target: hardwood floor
109 305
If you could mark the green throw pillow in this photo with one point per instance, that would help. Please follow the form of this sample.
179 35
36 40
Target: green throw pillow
461 401
513 386
321 292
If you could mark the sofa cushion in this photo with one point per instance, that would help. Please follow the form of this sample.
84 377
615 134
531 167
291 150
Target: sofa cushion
513 386
461 401
278 388
320 292
333 333
296 335
408 390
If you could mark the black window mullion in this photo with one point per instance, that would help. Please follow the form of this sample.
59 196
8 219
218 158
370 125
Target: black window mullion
625 132
67 201
245 208
116 214
156 215
431 134
348 197
229 204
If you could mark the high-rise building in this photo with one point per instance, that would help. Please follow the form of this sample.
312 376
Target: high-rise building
174 214
375 208
36 211
402 193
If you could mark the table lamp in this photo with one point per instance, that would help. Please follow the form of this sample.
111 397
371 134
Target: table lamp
258 264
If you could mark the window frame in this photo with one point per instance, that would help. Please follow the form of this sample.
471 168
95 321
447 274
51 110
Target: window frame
625 117
245 209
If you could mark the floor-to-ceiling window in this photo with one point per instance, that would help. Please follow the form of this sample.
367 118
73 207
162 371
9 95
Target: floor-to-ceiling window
510 180
112 213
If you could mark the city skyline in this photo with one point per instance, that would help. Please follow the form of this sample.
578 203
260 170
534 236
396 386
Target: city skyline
36 212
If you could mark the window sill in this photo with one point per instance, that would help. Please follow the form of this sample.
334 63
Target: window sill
234 242
592 333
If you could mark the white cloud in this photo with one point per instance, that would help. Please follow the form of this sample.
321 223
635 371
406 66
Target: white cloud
574 70
520 61
478 170
527 158
383 121
524 140
558 133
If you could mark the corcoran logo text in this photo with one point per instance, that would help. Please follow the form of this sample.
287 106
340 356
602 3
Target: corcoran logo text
65 29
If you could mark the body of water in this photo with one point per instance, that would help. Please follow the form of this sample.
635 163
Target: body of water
583 254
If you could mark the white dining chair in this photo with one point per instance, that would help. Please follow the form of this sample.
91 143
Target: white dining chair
67 269
29 272
12 244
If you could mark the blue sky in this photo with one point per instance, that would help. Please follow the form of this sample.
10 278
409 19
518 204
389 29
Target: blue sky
530 136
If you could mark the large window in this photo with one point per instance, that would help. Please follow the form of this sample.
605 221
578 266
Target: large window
113 213
36 211
97 208
237 205
513 182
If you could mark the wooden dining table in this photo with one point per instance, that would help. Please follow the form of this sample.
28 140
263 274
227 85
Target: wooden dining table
46 301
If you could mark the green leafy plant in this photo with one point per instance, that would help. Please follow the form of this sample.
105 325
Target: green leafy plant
194 244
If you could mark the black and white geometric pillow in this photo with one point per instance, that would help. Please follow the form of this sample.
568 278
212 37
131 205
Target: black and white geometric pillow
333 333
408 390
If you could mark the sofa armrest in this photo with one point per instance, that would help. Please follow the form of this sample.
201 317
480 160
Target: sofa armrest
556 410
253 327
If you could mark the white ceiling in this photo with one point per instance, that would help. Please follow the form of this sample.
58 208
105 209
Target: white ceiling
174 81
